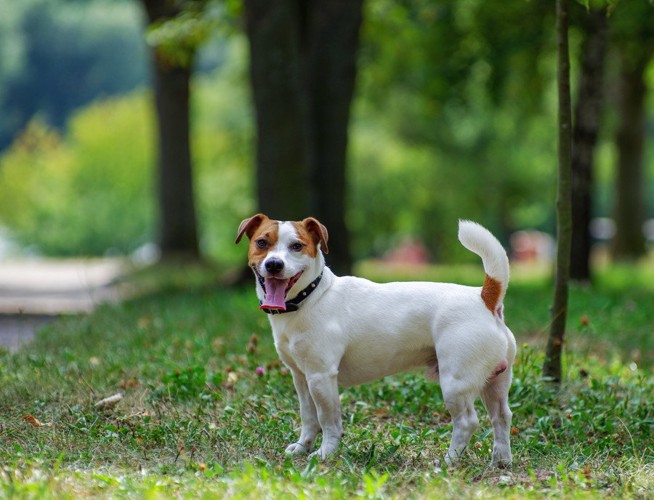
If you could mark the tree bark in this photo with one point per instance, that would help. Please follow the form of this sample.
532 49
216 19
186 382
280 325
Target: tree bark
331 71
552 365
629 241
587 118
302 68
177 222
282 147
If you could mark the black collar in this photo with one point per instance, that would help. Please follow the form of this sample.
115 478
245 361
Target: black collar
293 304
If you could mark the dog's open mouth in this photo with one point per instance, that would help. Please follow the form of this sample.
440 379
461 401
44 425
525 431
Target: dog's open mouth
276 290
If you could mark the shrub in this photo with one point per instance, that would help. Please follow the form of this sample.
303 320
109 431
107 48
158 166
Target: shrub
86 193
91 190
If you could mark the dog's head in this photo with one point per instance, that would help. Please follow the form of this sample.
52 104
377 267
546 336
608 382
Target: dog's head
287 256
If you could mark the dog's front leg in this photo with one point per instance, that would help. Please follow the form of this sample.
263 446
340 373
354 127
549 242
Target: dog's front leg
308 415
324 392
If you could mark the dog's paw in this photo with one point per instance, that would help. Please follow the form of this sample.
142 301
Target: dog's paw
451 460
501 461
320 454
296 449
324 451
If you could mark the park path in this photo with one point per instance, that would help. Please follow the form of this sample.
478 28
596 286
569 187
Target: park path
35 291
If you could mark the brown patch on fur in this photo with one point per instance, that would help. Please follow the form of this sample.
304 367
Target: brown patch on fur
490 293
311 230
249 226
310 243
256 228
269 231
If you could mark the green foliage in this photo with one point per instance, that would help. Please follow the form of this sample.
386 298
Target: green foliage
223 141
58 55
65 195
453 118
420 190
178 38
91 191
207 412
632 31
463 136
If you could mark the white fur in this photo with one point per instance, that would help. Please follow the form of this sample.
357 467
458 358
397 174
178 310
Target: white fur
351 331
479 240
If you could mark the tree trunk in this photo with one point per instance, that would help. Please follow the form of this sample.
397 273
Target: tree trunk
274 31
331 70
552 365
177 223
302 68
629 241
584 137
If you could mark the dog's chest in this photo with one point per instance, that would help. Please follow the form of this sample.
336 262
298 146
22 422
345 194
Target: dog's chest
291 346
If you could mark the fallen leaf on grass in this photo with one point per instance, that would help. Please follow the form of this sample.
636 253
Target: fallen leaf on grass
35 421
129 383
109 402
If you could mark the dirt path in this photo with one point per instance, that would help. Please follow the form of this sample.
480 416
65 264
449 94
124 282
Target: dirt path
35 291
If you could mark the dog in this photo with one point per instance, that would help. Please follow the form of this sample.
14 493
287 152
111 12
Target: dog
336 331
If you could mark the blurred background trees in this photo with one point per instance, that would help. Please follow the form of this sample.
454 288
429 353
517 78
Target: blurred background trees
452 116
587 121
171 69
303 59
58 56
633 36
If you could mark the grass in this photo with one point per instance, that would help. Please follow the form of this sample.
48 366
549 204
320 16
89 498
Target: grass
207 409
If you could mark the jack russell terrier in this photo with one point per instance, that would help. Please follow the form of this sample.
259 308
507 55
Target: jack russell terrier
342 331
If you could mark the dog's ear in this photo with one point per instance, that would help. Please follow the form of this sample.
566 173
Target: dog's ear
249 226
318 231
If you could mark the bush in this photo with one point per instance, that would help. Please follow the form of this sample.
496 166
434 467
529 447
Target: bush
86 193
91 191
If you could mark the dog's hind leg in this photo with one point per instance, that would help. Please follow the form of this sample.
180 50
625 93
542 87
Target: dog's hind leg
308 415
495 396
459 400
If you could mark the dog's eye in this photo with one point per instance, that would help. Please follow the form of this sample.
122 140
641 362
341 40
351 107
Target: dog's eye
261 243
296 247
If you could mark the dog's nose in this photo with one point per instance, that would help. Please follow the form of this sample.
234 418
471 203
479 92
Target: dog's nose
274 265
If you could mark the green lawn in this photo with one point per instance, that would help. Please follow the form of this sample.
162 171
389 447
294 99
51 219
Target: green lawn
208 410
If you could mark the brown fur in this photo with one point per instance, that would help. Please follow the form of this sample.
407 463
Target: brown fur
311 232
490 293
267 230
256 227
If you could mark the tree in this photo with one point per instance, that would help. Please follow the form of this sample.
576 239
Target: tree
552 366
457 85
633 35
587 117
178 235
302 72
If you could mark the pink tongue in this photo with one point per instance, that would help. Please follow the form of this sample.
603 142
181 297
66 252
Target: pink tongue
275 293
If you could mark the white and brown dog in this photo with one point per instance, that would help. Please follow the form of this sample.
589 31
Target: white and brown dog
347 331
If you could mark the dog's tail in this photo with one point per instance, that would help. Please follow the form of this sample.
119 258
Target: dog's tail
479 240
